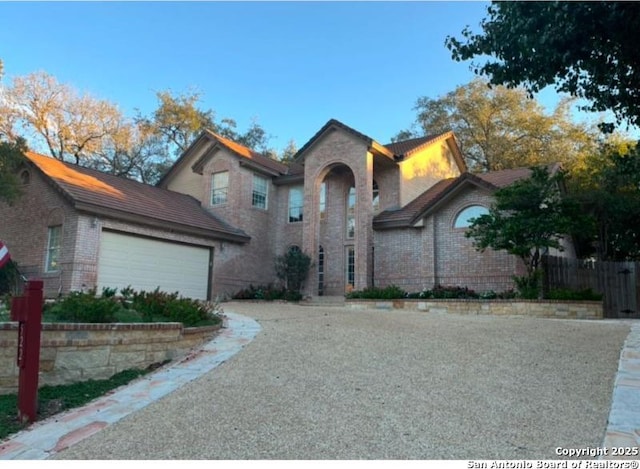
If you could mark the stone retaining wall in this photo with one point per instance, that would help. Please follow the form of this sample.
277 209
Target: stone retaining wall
532 308
77 352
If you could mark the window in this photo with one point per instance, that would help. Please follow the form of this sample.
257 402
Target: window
260 192
376 196
296 203
320 271
464 217
351 213
54 245
323 200
219 187
351 266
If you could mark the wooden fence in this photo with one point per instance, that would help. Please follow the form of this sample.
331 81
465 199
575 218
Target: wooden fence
618 282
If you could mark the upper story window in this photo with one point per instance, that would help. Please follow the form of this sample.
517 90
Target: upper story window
376 196
296 203
466 215
260 192
219 187
351 212
54 246
323 200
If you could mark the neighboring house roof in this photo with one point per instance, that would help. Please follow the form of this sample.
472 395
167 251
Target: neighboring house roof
443 190
124 199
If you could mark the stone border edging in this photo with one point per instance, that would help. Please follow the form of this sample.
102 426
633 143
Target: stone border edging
48 437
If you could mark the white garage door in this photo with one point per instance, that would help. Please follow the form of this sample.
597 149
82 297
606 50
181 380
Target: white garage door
146 264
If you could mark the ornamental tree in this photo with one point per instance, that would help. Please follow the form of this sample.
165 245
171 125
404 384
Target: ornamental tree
527 219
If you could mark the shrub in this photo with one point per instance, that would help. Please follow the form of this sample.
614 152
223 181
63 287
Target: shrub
9 278
132 306
267 293
293 268
391 292
573 295
84 307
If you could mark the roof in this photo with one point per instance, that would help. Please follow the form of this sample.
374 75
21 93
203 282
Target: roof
334 123
96 192
429 200
245 152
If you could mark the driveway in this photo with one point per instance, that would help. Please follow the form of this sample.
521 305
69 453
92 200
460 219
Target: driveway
331 383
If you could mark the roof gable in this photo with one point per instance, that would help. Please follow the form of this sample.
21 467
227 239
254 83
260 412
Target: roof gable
431 199
97 192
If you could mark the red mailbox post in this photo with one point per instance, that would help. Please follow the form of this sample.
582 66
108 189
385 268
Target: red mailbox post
27 310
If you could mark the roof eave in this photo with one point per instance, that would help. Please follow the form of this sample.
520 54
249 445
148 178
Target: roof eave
164 224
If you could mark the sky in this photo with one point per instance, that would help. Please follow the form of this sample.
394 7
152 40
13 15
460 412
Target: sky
290 66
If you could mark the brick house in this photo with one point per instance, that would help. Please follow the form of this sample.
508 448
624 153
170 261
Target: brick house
368 214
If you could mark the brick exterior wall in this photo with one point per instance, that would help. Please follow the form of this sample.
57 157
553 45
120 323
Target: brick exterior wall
413 258
439 254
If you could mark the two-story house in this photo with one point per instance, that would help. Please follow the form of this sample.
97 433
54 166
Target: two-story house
368 214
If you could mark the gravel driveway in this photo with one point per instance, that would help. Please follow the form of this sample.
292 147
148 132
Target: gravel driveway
331 383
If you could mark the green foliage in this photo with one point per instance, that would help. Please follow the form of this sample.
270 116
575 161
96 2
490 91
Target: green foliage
528 286
390 292
527 218
293 268
132 306
608 186
10 160
566 294
500 128
9 278
267 293
54 399
586 49
84 307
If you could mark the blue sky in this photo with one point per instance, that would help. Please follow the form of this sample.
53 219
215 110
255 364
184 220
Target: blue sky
290 65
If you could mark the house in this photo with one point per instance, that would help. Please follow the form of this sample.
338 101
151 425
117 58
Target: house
368 214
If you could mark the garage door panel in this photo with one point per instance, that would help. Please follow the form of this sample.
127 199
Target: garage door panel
147 264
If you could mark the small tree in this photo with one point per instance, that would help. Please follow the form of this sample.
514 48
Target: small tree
528 218
293 268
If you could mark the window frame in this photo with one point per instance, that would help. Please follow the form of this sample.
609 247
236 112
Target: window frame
459 224
258 198
300 217
218 192
350 213
52 258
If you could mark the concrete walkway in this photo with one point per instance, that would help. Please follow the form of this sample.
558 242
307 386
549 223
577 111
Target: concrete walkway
325 383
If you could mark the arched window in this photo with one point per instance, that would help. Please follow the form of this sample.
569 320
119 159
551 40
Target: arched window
464 217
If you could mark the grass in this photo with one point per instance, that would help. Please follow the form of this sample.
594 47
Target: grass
55 399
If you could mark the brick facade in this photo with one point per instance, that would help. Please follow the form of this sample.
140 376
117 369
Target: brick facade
415 256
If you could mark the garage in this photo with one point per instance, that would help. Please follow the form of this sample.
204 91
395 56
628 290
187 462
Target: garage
148 263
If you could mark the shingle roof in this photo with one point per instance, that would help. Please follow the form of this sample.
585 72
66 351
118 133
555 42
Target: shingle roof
98 192
257 158
407 146
405 215
418 207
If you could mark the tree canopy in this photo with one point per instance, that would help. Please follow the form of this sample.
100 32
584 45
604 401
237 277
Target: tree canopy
10 159
528 218
501 128
71 126
586 49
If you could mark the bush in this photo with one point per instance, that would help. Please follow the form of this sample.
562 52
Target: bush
267 293
566 294
9 278
132 306
392 292
84 307
293 268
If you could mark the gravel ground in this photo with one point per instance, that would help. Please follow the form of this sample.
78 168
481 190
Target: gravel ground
330 383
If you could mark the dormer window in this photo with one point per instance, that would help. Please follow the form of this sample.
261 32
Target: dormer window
219 187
